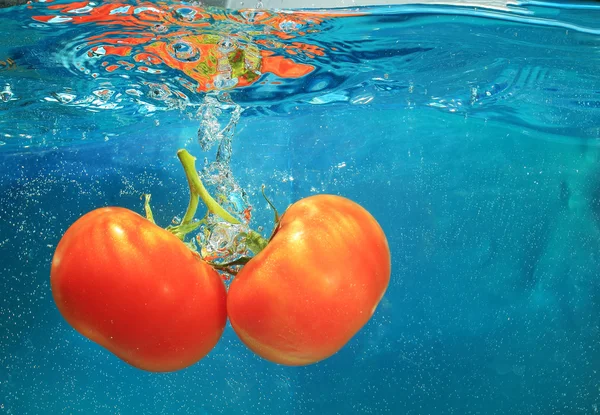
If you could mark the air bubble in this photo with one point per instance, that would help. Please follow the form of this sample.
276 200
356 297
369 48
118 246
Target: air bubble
186 13
6 94
184 51
253 16
159 92
159 28
226 45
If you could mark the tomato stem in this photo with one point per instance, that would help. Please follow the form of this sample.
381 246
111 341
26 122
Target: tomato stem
254 241
271 205
147 208
197 190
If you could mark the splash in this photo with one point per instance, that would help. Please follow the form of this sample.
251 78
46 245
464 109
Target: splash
219 116
222 242
211 49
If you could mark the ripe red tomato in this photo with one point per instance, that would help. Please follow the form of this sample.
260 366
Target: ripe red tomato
317 282
137 290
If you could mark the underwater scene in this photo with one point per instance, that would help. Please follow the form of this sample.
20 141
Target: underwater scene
466 135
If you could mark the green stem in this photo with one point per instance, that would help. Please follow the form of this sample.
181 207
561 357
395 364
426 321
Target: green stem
271 204
191 209
197 190
254 240
147 208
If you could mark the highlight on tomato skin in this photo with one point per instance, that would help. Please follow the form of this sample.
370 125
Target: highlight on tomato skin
315 285
137 290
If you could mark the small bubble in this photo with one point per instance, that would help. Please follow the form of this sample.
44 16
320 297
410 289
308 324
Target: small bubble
226 45
6 94
185 13
184 51
252 16
159 92
159 28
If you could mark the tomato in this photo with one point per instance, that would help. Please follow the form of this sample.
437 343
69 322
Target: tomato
137 290
315 285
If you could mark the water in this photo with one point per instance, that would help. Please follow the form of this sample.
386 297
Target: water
471 134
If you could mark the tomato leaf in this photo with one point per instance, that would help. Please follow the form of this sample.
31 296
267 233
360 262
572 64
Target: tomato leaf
255 242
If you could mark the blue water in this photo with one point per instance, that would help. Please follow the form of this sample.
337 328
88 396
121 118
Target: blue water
470 134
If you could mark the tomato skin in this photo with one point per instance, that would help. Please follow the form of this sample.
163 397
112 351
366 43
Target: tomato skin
137 290
315 285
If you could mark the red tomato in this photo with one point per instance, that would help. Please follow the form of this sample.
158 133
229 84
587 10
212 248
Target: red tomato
137 290
315 285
